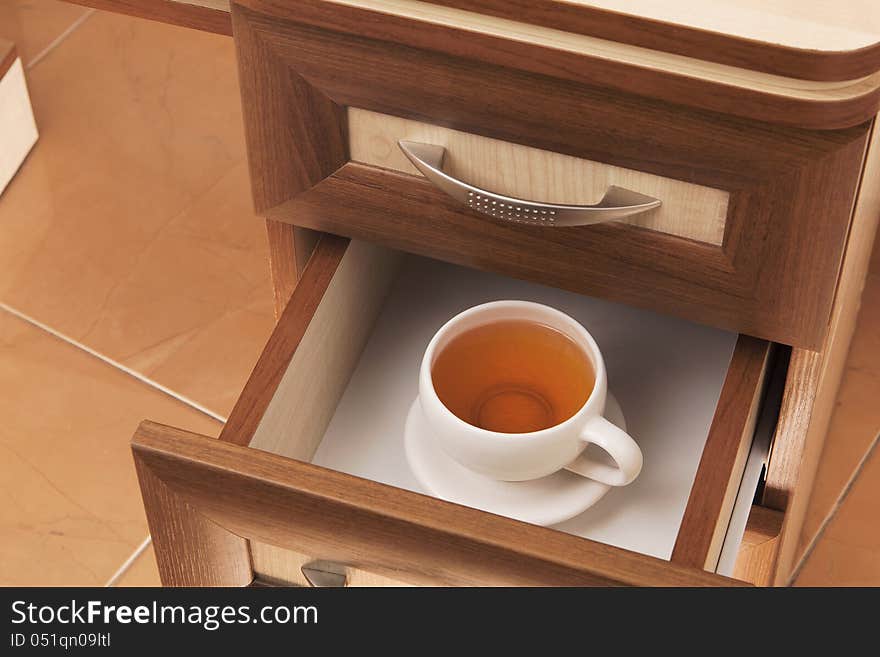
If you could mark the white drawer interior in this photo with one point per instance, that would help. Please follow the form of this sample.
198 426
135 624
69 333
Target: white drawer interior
344 408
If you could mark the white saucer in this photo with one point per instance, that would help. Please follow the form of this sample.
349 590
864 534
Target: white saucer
545 501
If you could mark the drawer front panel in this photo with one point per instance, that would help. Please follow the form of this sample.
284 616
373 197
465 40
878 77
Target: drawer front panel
205 499
768 268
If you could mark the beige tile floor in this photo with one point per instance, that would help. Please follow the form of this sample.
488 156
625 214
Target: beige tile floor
33 25
128 231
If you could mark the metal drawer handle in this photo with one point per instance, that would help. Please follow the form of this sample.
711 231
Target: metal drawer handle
615 204
325 574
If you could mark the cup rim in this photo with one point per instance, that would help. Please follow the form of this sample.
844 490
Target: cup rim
592 352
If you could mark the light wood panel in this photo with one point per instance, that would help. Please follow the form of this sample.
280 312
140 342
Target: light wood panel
318 371
808 24
304 300
815 377
283 567
515 30
692 211
814 39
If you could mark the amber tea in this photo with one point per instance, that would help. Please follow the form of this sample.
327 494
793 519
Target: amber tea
513 376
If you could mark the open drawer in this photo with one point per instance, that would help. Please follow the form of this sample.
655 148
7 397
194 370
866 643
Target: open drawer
253 506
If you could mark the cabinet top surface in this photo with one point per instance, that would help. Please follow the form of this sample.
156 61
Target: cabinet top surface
807 51
821 25
805 39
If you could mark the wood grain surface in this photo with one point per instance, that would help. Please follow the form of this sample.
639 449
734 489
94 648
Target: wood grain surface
319 366
790 191
205 15
814 378
785 44
587 60
303 380
760 543
289 250
707 515
744 34
283 567
260 496
691 211
294 322
191 550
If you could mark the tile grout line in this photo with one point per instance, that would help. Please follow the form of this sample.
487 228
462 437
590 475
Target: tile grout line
128 562
838 503
113 363
57 40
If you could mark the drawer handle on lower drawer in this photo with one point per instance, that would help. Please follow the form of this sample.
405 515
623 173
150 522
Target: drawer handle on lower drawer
323 574
617 202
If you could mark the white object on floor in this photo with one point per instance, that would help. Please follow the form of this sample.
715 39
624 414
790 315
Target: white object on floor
18 132
546 501
666 372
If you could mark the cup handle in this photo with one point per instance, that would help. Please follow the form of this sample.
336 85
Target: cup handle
619 445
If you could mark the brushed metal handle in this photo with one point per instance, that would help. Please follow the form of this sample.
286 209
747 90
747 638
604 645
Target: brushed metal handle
325 574
617 202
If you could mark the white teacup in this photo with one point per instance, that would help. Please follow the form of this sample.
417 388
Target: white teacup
522 456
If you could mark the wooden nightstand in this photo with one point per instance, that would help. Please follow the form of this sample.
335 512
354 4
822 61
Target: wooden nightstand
759 144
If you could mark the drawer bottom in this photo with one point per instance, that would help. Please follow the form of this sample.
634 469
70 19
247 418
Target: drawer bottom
666 373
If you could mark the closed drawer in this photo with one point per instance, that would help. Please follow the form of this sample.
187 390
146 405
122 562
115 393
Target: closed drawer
753 218
253 506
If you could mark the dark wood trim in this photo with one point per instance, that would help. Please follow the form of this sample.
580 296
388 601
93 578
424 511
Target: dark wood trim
721 465
283 270
289 250
780 107
256 495
314 141
172 12
282 344
379 73
191 550
664 273
814 378
688 41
